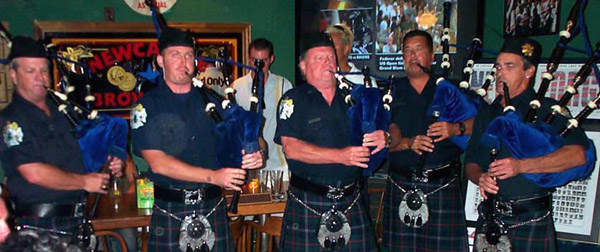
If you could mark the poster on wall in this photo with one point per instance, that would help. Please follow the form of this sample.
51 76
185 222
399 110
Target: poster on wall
573 205
531 18
120 57
379 25
396 18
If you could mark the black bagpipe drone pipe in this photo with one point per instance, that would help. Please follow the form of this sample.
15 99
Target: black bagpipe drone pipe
555 59
99 135
369 111
445 63
570 91
524 139
236 127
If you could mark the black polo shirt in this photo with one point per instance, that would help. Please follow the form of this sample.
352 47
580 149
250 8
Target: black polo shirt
409 113
30 136
517 186
177 125
305 115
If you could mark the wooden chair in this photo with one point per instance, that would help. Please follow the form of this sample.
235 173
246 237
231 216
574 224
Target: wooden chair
238 232
378 227
272 228
102 235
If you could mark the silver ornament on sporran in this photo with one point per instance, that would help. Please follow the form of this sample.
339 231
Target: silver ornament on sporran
84 237
413 210
334 230
196 233
493 237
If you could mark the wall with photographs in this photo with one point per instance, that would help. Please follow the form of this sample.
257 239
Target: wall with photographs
379 25
493 26
272 19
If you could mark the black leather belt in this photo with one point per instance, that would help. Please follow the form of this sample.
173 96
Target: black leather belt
321 190
185 196
521 206
49 210
438 172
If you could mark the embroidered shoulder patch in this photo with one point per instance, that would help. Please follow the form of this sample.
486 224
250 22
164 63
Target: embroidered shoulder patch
138 116
13 134
286 108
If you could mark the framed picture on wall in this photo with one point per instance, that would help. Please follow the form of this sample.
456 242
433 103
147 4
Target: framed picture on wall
531 18
120 57
6 87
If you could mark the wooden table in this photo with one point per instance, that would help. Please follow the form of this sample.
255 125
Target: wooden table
122 212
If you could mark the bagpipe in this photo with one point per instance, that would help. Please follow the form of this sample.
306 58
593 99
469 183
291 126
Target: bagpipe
236 127
99 135
369 111
527 139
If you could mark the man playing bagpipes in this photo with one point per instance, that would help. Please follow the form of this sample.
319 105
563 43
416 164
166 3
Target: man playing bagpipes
274 86
323 211
40 152
523 209
423 208
175 136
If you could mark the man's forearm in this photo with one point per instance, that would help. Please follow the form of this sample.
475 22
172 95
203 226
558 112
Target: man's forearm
309 153
51 177
167 165
560 160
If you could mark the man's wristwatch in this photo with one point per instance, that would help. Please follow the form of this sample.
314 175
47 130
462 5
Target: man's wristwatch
462 128
388 139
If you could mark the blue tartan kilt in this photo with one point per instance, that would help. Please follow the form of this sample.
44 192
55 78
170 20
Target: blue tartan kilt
300 225
446 229
537 236
164 229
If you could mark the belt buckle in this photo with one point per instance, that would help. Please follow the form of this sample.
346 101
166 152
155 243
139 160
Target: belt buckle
193 197
335 193
422 177
504 207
